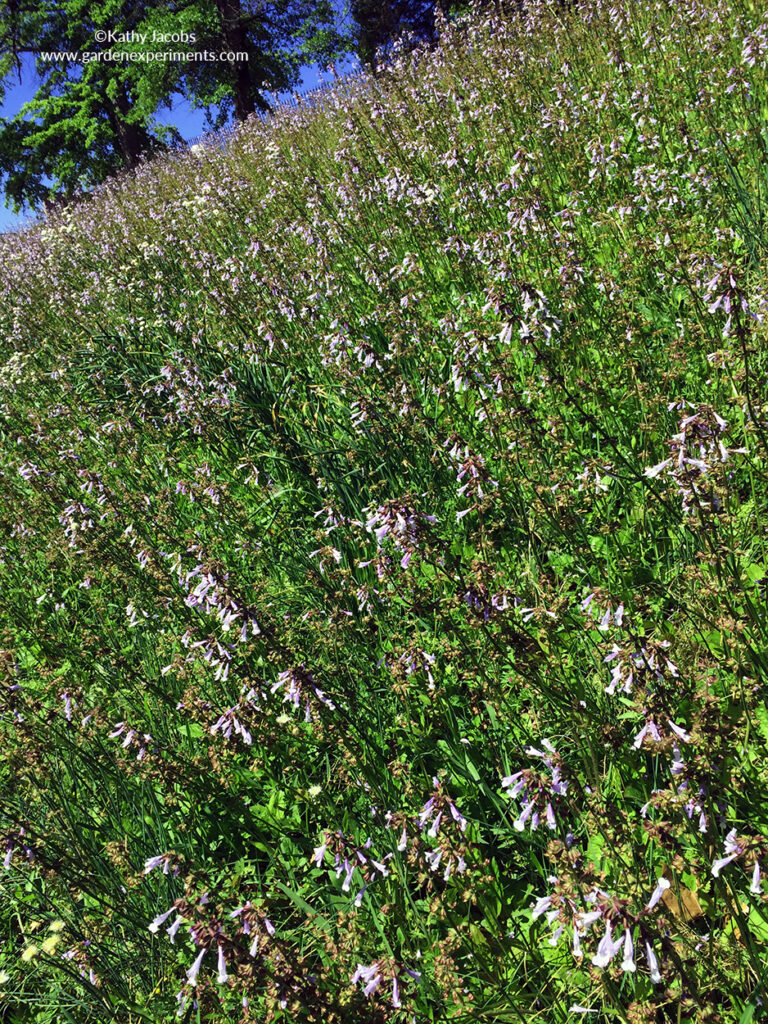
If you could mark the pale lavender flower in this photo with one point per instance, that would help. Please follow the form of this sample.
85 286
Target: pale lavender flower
542 904
395 994
181 999
153 862
559 784
433 858
222 968
160 919
515 781
755 887
363 972
661 887
551 822
346 884
628 962
519 822
607 949
653 471
676 729
458 816
653 964
426 812
369 975
372 985
649 727
359 897
718 865
548 745
194 970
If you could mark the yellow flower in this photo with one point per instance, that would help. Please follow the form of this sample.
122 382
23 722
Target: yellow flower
49 945
4 976
314 791
29 953
57 926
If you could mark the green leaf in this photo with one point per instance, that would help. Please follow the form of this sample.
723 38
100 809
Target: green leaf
747 1013
298 900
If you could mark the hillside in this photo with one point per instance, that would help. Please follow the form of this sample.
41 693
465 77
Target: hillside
383 510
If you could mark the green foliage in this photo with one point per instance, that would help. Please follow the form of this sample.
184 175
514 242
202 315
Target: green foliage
120 61
383 545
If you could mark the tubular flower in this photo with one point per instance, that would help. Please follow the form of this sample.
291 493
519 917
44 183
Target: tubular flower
732 851
194 970
222 967
653 964
538 791
658 892
607 949
755 886
628 961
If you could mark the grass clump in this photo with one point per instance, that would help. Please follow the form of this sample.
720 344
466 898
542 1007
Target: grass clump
383 556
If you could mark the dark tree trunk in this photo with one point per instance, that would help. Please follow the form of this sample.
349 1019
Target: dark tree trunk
132 139
234 38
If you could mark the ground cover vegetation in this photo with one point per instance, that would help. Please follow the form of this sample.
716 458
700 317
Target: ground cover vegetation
383 572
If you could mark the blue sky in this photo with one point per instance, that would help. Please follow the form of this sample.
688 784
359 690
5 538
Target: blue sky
190 123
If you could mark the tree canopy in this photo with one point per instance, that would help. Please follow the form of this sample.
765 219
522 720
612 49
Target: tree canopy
379 23
95 109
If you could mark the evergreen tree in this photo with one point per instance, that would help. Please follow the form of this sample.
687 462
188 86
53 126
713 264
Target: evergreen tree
380 22
95 110
273 40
